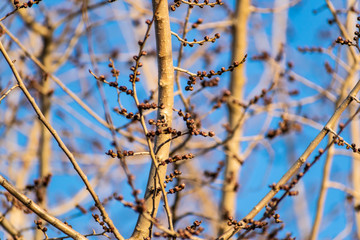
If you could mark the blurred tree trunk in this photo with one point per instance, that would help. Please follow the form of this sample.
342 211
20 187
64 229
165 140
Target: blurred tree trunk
44 150
238 80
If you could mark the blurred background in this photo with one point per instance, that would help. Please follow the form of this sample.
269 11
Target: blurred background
292 56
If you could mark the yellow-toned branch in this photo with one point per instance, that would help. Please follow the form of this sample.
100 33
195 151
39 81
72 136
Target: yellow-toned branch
39 211
237 84
296 166
166 99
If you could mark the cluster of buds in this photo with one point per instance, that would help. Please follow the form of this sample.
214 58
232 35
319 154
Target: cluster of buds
40 226
353 147
40 182
216 173
119 154
342 41
26 4
191 125
271 207
287 187
223 98
38 185
133 77
158 123
160 234
146 106
171 176
192 230
202 74
252 224
197 23
263 56
357 33
339 141
177 158
293 92
214 82
102 224
176 189
277 218
226 95
125 90
129 115
167 130
232 222
138 206
193 3
185 42
310 49
114 84
262 95
284 127
115 72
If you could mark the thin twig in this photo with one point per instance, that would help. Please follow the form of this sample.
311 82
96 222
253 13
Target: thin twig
7 92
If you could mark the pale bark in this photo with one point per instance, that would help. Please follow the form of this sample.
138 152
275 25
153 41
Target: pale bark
238 80
61 144
157 174
44 151
355 124
40 212
10 228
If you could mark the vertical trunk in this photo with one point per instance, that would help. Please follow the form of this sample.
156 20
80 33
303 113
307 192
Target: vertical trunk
45 137
355 123
44 151
166 95
238 79
279 43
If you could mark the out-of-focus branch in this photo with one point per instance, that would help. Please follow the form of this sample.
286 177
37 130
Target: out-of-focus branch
66 89
237 84
10 228
275 9
7 92
39 211
60 143
342 187
34 25
44 147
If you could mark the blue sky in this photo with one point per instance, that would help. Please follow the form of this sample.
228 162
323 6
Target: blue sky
118 32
